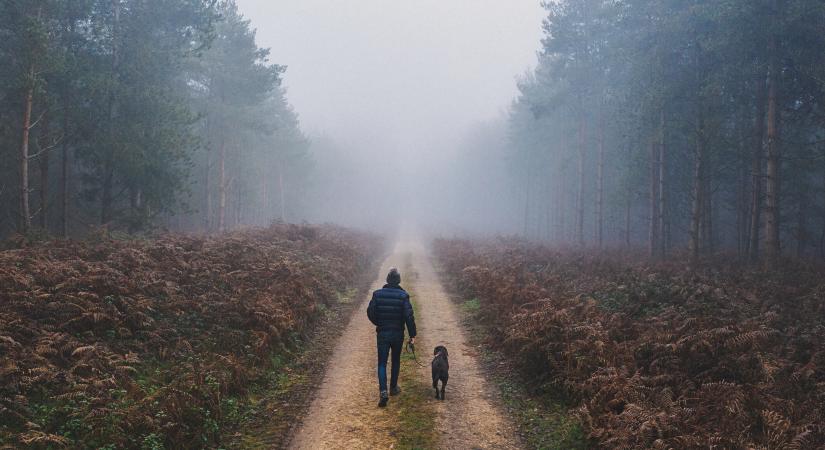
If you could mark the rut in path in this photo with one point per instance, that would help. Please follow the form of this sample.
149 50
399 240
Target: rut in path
343 413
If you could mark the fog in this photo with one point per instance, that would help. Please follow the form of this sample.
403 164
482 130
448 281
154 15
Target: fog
394 93
623 123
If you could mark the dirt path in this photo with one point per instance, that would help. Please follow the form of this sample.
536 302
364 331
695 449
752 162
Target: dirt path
344 412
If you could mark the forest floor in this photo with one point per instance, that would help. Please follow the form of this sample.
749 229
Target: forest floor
344 412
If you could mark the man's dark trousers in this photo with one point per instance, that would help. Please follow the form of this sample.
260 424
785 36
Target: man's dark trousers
389 340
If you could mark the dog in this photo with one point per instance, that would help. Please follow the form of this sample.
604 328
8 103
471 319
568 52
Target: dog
441 370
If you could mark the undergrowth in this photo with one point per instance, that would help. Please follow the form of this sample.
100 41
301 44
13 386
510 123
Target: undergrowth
543 419
656 355
159 343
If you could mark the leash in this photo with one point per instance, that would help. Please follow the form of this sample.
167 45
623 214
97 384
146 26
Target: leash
411 349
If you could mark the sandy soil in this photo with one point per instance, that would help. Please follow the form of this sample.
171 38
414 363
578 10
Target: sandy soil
344 412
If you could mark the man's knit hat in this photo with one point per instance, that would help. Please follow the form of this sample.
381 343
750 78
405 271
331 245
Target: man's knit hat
394 277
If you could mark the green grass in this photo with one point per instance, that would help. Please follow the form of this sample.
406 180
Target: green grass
471 306
346 296
546 424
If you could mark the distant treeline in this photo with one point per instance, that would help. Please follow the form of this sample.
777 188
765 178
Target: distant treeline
132 114
694 124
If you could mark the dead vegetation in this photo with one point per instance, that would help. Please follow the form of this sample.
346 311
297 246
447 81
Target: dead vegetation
142 344
658 355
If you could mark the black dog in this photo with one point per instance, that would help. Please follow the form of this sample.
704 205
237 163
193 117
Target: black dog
441 370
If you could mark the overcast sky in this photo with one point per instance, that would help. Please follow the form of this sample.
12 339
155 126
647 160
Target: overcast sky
399 79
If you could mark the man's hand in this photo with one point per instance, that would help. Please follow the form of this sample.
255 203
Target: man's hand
412 340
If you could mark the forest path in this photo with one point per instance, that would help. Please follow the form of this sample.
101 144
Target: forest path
344 414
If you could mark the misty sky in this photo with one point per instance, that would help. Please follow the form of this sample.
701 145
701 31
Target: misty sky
399 80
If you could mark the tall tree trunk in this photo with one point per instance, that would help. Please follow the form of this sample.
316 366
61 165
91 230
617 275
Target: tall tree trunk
548 208
709 238
527 203
64 170
222 187
662 188
580 191
653 230
564 209
106 199
600 184
44 174
238 216
822 235
558 200
698 194
266 206
208 190
772 207
741 207
25 212
628 200
282 190
106 194
802 222
627 222
756 172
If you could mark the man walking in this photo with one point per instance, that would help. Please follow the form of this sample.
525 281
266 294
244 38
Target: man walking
389 310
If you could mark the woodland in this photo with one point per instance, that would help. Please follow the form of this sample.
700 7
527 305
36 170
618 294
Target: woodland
136 115
676 125
640 233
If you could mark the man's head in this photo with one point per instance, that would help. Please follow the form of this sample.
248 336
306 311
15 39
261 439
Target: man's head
394 277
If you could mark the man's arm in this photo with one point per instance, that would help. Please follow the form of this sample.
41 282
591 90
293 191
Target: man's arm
409 317
371 310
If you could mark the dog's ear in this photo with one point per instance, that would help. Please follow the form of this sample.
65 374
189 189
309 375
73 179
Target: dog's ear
444 349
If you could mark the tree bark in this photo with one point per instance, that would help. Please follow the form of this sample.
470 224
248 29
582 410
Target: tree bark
628 199
600 184
44 174
662 188
756 172
281 190
106 199
653 230
822 234
558 207
802 222
709 237
698 195
548 208
742 205
772 244
222 187
25 212
580 191
627 221
64 171
527 204
208 189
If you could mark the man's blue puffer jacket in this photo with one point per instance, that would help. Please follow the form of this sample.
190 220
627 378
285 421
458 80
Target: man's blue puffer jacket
390 309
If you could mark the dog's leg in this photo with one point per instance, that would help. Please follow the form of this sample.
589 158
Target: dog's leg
435 386
443 387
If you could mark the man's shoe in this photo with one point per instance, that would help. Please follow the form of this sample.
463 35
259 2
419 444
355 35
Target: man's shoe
395 390
384 399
